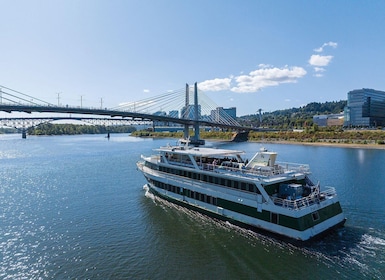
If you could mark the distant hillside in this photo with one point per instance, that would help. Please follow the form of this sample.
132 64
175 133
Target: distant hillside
294 117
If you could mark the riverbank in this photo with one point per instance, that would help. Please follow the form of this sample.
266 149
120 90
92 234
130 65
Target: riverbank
327 144
349 139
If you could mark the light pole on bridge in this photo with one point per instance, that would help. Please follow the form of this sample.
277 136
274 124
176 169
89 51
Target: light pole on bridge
58 98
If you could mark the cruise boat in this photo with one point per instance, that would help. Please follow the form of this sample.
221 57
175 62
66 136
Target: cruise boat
260 193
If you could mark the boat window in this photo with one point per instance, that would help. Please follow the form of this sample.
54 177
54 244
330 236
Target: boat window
243 186
274 218
236 185
315 216
211 179
208 199
229 183
214 201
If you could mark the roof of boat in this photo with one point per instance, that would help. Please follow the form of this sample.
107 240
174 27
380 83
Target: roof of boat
199 151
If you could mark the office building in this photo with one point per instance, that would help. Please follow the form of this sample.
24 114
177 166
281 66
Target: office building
365 108
224 113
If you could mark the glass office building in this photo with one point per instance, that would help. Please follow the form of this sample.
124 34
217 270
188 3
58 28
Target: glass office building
365 108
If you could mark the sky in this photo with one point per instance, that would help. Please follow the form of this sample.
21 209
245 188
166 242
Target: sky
268 55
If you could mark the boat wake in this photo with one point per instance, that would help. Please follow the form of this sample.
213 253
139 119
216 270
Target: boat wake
340 249
349 246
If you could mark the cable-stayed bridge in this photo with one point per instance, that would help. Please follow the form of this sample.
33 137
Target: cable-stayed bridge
179 107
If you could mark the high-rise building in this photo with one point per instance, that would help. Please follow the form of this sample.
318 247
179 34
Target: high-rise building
232 112
173 114
365 108
224 113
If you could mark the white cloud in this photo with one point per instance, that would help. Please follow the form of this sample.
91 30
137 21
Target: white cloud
262 65
319 69
146 90
266 77
320 60
256 80
215 85
329 44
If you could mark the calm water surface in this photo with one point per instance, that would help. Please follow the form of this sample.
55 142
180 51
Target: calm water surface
74 207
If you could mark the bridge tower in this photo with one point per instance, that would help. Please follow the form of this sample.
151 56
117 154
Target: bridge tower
196 113
185 114
197 141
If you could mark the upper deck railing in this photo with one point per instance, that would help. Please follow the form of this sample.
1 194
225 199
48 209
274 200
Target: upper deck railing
315 197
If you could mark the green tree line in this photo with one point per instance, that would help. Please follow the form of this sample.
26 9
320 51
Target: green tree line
72 129
308 135
5 130
294 118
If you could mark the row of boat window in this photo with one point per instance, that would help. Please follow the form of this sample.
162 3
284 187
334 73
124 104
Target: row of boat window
249 187
189 193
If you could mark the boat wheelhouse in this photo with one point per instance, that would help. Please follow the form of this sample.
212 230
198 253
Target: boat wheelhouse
261 193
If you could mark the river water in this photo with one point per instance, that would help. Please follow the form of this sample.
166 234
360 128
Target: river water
74 207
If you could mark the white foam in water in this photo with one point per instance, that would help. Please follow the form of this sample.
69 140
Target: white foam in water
368 239
148 193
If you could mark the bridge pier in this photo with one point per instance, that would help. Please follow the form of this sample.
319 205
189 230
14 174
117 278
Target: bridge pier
24 133
242 136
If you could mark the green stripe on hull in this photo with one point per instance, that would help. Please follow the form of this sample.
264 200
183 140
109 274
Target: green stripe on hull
323 214
244 209
300 224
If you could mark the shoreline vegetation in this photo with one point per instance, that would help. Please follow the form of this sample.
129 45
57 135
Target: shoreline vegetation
313 135
371 139
74 129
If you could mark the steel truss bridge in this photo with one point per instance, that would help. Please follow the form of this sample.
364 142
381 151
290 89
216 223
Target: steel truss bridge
164 109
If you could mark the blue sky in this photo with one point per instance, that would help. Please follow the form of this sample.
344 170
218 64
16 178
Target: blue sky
248 54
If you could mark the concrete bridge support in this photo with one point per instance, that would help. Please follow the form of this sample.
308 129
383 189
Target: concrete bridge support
24 133
242 136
